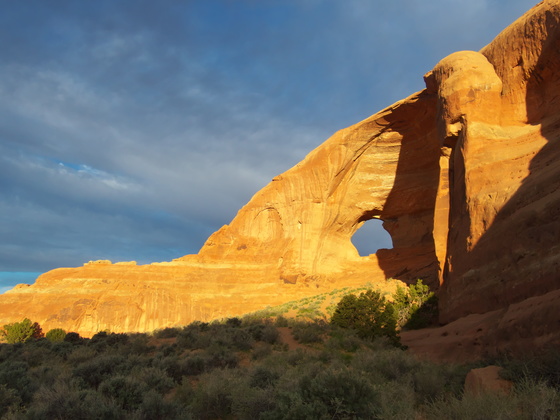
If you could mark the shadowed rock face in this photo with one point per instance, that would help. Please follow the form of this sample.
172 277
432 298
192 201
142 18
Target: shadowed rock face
462 175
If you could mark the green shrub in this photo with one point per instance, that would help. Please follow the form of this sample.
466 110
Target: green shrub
155 379
262 377
233 322
309 332
343 339
168 332
153 406
65 401
74 338
95 371
416 306
20 332
10 401
15 375
213 397
193 365
127 392
369 314
543 366
56 335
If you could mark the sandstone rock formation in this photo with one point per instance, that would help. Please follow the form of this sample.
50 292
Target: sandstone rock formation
462 175
487 380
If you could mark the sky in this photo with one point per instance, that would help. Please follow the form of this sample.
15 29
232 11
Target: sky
134 129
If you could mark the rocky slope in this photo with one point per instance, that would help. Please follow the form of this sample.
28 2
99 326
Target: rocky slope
462 175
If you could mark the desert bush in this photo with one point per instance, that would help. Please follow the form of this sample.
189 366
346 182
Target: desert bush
65 401
169 332
397 401
233 322
263 331
416 306
170 365
10 401
127 392
384 365
95 371
472 407
432 380
263 377
47 374
56 335
80 355
281 321
318 391
220 357
194 337
261 351
213 397
537 400
20 332
239 339
14 375
62 349
117 339
193 365
155 379
153 406
369 314
252 403
309 332
341 339
137 344
103 339
543 366
74 338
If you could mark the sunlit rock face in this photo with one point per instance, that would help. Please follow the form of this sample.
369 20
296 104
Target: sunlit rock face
462 174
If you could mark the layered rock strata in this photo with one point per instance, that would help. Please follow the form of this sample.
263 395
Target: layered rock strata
462 175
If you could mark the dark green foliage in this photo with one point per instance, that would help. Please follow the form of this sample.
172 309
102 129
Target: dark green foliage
193 365
155 379
73 337
20 332
369 314
214 399
168 332
14 375
153 406
126 392
262 377
233 322
9 400
56 335
65 401
239 373
96 370
417 306
540 367
309 332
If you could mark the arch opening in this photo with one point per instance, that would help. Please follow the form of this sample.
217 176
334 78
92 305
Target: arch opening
371 237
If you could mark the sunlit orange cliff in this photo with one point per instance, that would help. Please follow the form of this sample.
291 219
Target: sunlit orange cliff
463 174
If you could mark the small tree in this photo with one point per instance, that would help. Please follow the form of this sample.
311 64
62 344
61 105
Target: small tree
369 314
19 332
416 306
56 335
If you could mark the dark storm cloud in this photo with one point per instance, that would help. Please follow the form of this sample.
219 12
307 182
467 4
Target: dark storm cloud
132 130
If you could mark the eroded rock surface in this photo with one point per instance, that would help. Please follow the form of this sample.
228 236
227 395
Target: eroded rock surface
462 174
